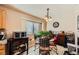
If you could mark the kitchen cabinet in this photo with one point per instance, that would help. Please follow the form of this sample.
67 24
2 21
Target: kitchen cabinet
17 46
3 49
2 18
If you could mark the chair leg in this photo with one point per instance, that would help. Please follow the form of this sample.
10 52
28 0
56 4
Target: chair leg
46 52
54 49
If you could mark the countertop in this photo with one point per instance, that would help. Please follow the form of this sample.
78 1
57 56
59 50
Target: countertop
3 41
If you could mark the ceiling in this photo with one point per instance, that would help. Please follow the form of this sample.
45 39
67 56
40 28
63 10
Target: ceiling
40 9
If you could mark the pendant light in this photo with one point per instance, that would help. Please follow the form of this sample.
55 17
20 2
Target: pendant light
48 17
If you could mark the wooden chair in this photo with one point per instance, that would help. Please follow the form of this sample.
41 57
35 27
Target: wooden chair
53 47
44 46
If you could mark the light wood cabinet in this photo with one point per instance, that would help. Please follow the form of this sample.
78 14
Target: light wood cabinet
2 18
2 49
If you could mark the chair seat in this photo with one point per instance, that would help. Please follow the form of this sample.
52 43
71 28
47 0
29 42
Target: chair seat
51 46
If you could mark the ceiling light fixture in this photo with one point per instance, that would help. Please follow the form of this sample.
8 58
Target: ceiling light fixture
48 17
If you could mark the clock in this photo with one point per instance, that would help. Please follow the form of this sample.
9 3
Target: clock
56 24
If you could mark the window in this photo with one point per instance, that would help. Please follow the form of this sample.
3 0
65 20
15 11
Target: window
36 27
29 27
77 22
32 27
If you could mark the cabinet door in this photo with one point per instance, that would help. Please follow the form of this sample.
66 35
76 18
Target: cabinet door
2 49
2 18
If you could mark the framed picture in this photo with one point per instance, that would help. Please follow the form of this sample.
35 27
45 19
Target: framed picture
56 24
78 22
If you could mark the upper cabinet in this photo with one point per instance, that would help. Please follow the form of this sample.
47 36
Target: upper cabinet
2 18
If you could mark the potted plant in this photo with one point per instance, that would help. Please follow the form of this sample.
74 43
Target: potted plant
42 34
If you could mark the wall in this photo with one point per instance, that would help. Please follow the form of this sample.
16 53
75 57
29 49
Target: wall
66 16
16 21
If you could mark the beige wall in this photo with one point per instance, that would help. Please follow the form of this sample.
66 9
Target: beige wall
16 21
66 16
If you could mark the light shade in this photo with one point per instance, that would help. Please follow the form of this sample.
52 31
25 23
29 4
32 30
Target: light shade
48 19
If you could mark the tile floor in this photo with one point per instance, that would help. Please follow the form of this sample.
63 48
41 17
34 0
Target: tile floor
35 50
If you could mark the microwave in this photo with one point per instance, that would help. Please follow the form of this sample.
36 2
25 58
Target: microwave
19 35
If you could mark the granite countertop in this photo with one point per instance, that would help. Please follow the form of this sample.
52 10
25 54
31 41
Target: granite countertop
3 41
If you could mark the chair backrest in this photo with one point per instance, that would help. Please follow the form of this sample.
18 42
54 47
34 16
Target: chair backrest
44 42
62 36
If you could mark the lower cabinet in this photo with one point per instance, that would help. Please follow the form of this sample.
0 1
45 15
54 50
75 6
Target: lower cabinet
2 49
